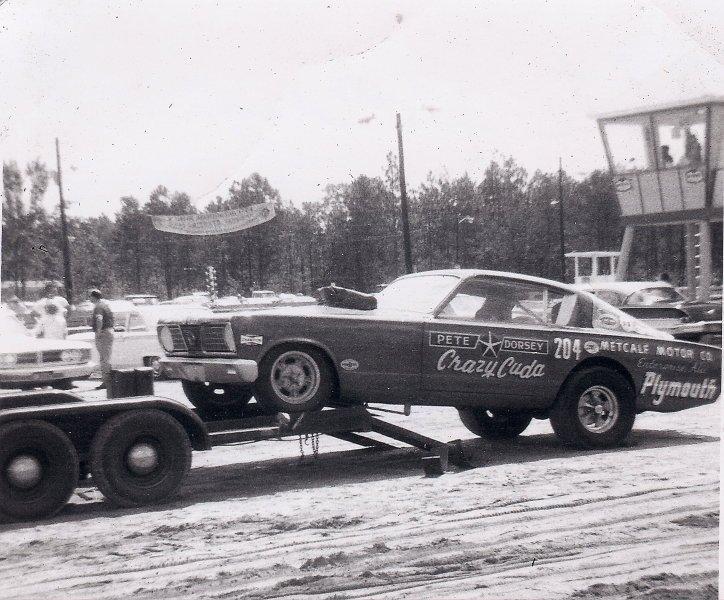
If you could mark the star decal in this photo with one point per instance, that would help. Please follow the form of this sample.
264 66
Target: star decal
490 346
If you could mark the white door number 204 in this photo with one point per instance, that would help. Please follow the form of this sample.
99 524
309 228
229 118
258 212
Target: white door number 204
566 348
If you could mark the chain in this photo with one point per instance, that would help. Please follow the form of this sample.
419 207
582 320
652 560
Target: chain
309 439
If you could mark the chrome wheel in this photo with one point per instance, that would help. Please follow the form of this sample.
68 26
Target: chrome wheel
598 409
295 377
24 472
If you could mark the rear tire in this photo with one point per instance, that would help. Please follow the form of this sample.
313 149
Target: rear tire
214 401
295 379
498 425
38 469
596 408
140 457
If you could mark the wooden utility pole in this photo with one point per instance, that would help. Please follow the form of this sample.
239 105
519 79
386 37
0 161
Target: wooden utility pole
560 219
67 270
403 201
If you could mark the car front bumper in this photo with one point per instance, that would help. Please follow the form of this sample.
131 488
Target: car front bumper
215 370
40 374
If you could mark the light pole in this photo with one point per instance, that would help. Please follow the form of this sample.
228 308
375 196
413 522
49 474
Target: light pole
467 219
559 202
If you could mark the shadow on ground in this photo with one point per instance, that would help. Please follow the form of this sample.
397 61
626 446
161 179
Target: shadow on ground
268 477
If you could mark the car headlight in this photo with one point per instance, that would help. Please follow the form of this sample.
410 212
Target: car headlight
8 360
71 355
164 336
229 337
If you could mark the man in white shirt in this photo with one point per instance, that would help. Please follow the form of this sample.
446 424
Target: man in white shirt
52 323
51 293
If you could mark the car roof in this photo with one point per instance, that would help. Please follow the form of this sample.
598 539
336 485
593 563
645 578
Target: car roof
624 287
468 273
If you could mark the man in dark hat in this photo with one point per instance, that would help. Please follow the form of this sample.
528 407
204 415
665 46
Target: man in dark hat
102 322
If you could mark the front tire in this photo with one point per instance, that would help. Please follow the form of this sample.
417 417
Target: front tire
38 469
295 379
213 401
596 408
498 425
140 457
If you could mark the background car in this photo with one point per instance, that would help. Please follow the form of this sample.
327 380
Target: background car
135 343
142 299
662 306
27 361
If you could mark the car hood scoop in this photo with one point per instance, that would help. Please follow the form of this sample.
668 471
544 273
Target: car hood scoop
340 297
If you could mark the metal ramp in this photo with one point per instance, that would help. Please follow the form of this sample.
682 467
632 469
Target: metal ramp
345 423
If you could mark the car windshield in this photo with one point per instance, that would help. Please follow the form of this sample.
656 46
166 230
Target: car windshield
417 294
654 295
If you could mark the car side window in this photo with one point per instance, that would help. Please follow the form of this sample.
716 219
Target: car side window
498 301
136 322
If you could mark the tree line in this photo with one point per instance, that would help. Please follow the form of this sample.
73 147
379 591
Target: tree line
506 221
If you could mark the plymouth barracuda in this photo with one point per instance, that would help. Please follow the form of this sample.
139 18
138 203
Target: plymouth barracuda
501 348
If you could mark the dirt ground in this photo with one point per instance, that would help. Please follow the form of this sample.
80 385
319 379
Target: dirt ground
530 520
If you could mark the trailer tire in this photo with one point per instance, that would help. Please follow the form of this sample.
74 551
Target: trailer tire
499 425
596 408
38 469
216 401
140 457
294 378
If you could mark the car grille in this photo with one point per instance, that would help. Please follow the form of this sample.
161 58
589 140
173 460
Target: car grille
27 358
199 339
51 356
212 338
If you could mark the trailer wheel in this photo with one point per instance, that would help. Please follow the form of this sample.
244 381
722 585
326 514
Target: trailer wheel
213 401
595 409
140 457
38 469
499 425
294 379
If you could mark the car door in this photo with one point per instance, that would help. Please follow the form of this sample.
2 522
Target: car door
139 341
491 345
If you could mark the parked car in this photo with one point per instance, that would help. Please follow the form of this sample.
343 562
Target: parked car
141 299
502 348
662 306
135 343
27 361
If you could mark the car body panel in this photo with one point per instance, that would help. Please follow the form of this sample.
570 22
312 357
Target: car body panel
405 357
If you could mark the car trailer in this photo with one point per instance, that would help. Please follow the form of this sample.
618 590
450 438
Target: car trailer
138 448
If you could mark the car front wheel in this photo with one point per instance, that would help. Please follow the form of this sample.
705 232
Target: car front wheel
294 379
494 425
214 401
595 409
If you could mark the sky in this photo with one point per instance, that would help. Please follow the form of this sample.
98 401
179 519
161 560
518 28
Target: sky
196 94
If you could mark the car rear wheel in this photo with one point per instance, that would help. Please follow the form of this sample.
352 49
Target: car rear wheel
38 469
140 457
294 379
494 425
596 408
214 401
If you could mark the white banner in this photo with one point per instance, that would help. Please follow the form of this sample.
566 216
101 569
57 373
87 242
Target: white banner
215 223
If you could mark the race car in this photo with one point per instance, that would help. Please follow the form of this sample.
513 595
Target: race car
501 348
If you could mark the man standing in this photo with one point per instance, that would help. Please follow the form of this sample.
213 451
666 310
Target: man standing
103 329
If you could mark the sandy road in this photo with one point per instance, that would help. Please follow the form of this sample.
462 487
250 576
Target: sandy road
530 520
